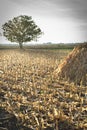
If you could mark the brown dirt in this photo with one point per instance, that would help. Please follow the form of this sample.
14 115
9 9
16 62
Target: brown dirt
74 67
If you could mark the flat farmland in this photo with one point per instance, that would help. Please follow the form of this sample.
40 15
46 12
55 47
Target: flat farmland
30 89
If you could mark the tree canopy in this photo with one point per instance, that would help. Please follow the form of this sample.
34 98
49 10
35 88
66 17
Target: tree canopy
21 29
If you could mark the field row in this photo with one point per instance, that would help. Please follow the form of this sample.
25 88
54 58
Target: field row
31 91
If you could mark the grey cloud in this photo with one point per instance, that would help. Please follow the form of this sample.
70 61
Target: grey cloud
5 10
73 9
65 8
82 27
77 8
41 7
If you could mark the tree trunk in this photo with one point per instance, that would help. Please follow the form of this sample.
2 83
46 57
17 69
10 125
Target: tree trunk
21 45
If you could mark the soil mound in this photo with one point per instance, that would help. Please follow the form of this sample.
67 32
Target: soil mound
74 67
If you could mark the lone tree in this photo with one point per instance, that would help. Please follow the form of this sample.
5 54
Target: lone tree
21 29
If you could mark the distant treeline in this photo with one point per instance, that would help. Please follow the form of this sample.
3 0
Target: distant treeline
52 46
6 46
41 46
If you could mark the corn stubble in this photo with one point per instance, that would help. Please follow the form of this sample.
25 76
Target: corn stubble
31 91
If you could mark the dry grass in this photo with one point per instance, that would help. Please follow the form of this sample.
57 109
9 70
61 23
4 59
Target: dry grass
31 91
74 67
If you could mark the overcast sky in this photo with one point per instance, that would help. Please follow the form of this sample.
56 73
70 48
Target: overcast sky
60 20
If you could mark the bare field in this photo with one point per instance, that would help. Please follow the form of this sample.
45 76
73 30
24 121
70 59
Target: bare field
30 90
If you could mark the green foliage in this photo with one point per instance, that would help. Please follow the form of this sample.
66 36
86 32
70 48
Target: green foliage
21 29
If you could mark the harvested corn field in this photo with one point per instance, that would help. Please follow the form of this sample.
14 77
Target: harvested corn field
32 92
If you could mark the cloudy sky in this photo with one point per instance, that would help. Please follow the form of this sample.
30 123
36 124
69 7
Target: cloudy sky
60 20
